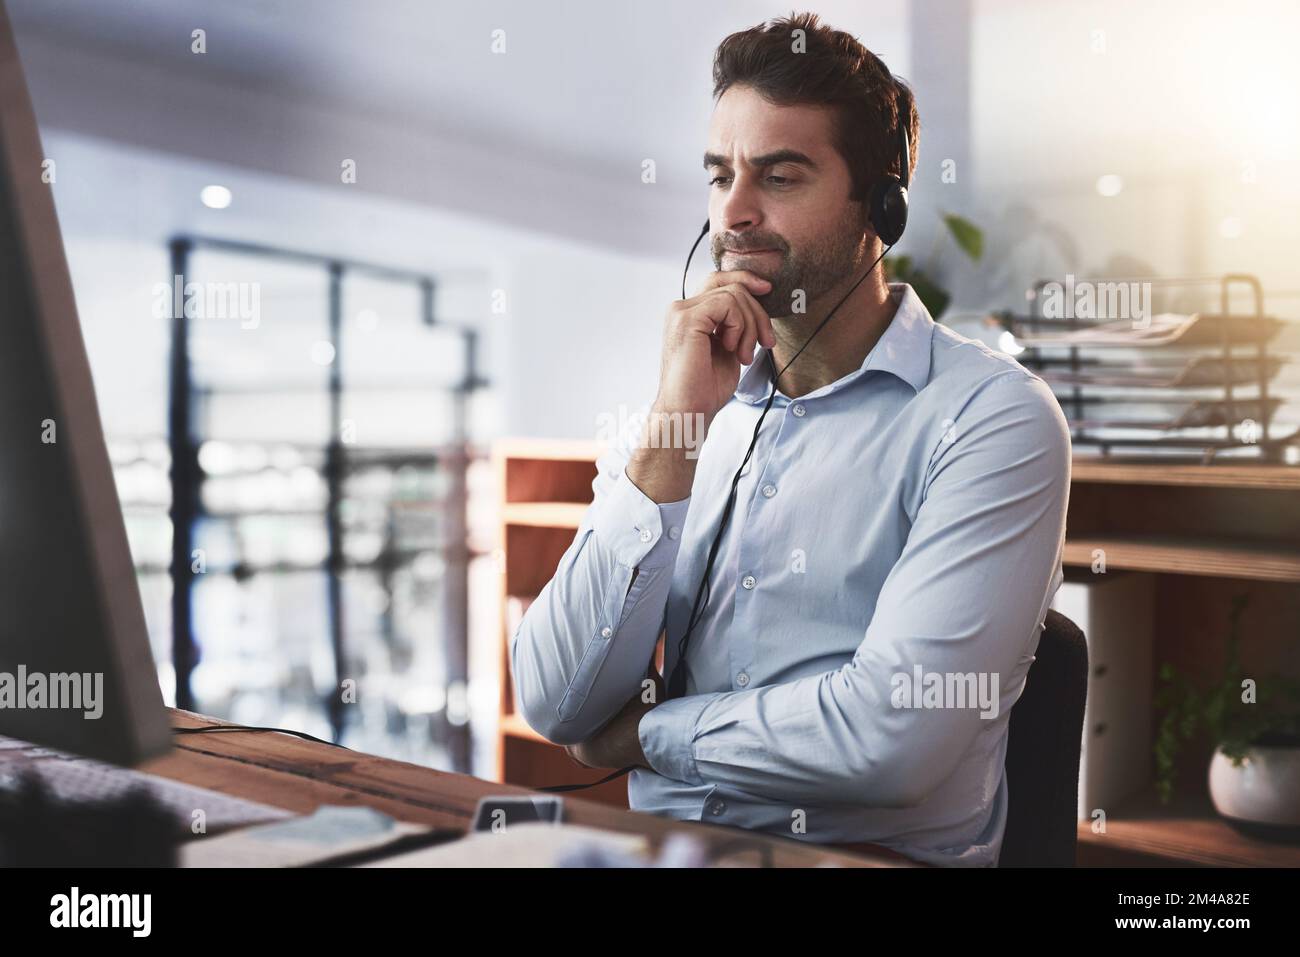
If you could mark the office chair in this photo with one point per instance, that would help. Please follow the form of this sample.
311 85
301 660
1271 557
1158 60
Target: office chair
1043 746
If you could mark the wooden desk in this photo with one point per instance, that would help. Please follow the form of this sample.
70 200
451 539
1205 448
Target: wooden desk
299 775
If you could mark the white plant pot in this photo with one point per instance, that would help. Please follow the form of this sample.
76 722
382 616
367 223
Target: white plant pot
1262 796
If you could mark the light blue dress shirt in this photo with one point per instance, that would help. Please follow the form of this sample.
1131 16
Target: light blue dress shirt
897 531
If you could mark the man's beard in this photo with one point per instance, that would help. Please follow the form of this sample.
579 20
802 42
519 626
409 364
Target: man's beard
814 270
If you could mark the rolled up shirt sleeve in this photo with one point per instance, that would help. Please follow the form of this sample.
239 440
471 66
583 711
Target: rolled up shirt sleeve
965 597
583 646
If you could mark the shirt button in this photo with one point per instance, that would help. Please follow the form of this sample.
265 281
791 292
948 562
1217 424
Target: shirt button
606 631
742 679
749 581
798 409
646 535
717 807
674 533
769 491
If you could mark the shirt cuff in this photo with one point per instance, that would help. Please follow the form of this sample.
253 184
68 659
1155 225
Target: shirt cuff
667 735
638 530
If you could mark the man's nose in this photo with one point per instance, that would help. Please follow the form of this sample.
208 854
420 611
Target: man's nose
741 208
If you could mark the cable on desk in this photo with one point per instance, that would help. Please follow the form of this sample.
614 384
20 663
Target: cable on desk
716 851
560 788
245 727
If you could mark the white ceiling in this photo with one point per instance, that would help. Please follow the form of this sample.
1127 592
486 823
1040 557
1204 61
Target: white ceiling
591 88
638 68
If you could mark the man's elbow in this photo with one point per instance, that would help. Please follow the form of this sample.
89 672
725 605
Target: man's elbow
544 719
558 732
539 705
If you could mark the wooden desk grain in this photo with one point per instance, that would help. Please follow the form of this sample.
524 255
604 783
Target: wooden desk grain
298 775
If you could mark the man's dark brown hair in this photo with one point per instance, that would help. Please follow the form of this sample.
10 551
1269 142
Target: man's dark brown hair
833 70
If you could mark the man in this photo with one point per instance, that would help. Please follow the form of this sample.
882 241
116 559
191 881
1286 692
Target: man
895 542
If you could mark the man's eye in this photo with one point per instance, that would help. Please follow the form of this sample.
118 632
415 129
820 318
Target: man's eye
774 180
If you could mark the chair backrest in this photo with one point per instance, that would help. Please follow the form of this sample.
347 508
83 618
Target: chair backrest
1043 744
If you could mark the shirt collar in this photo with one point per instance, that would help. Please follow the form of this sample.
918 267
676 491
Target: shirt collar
903 350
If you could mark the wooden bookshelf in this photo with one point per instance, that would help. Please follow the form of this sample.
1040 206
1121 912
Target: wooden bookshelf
1220 475
1209 533
1218 521
545 490
544 514
1189 555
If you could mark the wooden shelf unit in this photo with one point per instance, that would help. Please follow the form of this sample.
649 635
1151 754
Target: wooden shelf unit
1218 475
1144 833
1189 555
545 490
1209 532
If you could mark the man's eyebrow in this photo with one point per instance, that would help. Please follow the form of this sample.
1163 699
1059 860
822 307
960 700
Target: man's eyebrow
767 159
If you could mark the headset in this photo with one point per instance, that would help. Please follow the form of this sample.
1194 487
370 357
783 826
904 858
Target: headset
887 213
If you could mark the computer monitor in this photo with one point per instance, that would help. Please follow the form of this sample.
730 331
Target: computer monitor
76 670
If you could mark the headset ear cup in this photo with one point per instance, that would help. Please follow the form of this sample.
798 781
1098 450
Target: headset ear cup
896 212
889 209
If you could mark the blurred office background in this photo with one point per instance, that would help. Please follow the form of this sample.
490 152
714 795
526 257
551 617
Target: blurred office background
498 265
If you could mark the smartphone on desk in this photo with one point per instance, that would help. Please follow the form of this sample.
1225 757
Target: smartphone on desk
494 813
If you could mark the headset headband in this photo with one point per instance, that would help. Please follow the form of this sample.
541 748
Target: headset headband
905 159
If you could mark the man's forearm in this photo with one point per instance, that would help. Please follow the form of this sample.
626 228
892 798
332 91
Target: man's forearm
618 744
583 643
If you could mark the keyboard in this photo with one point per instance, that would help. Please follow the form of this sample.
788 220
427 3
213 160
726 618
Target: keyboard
74 779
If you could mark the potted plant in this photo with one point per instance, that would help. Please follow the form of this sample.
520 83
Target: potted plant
922 279
1254 774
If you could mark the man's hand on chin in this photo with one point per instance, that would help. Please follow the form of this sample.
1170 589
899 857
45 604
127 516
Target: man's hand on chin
618 744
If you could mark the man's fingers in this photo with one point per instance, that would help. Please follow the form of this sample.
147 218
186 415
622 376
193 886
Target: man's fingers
717 313
735 322
756 284
763 334
745 348
755 319
733 317
766 334
754 333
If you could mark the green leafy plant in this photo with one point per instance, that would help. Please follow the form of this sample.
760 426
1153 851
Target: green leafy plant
1232 722
969 239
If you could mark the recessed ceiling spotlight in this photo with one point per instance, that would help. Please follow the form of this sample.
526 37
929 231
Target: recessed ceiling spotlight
215 197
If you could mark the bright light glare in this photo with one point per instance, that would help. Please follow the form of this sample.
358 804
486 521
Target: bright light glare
1110 185
215 197
1007 343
